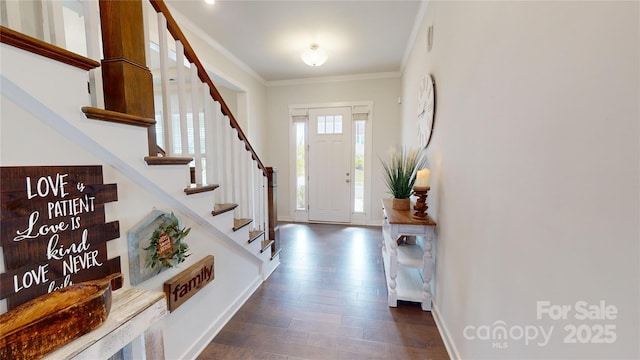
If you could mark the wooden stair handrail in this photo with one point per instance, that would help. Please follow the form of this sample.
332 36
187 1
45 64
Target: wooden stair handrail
177 34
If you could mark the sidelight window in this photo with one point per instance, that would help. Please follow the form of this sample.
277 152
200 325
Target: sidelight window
359 164
300 130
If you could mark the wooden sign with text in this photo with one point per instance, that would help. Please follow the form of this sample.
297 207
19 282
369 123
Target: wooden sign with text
186 284
53 230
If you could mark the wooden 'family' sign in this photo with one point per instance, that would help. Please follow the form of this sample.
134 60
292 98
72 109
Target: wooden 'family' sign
53 230
181 287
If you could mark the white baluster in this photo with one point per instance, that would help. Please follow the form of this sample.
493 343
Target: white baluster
253 190
228 160
181 79
196 95
52 14
92 33
244 179
220 153
164 85
210 135
249 185
262 197
237 165
182 103
265 202
13 15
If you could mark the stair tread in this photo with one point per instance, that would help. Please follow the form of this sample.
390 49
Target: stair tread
116 117
198 188
223 208
274 254
266 244
167 160
254 235
240 223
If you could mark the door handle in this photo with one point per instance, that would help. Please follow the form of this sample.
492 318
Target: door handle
348 180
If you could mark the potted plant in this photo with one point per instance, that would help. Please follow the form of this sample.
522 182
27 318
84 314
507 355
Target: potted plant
400 169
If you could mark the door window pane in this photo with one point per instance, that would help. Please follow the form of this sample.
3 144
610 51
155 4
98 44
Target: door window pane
329 128
321 125
330 124
337 124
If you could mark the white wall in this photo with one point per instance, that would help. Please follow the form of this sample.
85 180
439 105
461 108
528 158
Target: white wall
535 169
384 93
230 98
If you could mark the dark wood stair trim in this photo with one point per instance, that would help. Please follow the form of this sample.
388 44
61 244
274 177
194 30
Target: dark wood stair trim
240 223
266 244
254 235
196 189
167 160
116 117
37 46
275 253
223 208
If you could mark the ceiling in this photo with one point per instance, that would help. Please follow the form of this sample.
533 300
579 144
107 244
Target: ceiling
360 37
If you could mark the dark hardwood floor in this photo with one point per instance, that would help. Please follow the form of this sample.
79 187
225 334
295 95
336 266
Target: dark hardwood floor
327 300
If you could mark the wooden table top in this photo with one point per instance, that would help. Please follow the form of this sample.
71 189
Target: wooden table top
403 217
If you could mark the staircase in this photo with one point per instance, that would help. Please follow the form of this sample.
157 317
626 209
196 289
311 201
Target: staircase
218 170
218 185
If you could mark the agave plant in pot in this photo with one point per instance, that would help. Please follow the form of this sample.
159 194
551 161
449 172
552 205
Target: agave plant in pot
400 169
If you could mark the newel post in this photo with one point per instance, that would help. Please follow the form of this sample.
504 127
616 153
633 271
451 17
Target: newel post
128 83
272 203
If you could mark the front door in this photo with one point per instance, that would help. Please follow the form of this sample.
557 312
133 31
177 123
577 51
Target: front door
330 164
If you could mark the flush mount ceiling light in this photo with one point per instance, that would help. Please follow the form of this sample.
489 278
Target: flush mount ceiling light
210 2
314 56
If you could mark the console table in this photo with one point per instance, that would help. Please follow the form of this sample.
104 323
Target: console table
408 267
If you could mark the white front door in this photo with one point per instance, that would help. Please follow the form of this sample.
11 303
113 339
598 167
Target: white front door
330 164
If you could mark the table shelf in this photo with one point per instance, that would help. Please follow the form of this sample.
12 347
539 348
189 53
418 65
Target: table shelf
409 255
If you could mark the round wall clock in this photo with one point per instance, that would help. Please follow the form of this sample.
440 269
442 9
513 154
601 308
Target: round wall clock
426 110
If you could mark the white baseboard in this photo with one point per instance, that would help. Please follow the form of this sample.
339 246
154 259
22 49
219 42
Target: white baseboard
201 343
444 333
366 223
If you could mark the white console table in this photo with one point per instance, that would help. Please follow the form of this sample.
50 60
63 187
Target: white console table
408 267
134 312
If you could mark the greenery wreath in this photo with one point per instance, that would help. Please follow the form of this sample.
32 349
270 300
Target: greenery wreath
167 247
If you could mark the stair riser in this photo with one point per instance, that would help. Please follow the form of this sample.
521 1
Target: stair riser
241 236
254 246
223 221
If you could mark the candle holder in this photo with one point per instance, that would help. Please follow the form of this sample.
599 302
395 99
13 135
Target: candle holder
421 205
